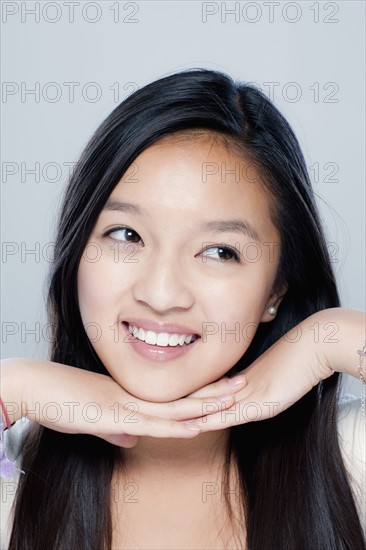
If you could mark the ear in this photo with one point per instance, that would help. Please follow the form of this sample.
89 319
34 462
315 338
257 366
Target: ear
273 302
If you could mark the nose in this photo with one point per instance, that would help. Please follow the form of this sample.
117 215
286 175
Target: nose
163 285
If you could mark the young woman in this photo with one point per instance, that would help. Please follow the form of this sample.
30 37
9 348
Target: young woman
191 399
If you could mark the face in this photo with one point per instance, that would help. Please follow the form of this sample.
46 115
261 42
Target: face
185 247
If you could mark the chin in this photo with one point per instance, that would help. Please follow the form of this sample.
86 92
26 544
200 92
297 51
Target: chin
161 396
156 395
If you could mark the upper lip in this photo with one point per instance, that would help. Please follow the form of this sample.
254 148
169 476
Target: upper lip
160 326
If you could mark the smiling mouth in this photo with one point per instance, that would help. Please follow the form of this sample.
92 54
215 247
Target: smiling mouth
160 339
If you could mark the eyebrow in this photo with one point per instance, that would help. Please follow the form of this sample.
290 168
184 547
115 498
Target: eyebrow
216 226
230 226
125 207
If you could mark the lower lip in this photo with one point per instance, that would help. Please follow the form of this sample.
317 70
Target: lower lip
157 353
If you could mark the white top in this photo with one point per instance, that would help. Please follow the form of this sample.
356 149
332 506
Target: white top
352 437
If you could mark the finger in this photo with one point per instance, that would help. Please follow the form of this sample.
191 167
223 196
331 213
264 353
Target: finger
187 408
140 424
121 440
224 385
115 424
241 412
217 421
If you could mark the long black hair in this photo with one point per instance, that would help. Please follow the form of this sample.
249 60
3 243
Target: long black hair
294 488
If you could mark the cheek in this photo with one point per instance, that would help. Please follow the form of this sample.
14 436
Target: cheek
241 300
232 315
94 291
101 287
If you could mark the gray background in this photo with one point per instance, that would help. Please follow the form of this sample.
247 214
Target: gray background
308 56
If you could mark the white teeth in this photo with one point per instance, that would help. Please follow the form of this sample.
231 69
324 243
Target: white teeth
181 340
163 339
159 339
173 340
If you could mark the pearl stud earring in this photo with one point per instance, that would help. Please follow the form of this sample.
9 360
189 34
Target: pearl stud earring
272 310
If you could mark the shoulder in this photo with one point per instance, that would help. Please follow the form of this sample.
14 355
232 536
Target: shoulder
13 439
351 430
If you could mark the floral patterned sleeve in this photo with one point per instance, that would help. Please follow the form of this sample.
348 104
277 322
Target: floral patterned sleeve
352 438
10 451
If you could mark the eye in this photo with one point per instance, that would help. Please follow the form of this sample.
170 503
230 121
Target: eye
222 253
126 234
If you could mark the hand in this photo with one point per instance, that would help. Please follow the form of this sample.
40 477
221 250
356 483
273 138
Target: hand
290 368
72 400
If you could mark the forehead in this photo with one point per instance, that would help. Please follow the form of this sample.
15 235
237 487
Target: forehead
209 157
196 176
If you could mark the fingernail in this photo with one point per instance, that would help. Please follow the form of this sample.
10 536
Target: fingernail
191 425
236 380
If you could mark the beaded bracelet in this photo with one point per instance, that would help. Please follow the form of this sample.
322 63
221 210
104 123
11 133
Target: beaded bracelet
361 367
7 466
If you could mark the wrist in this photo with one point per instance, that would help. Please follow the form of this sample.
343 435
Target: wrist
12 383
343 351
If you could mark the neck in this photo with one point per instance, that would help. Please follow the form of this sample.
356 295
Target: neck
174 457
